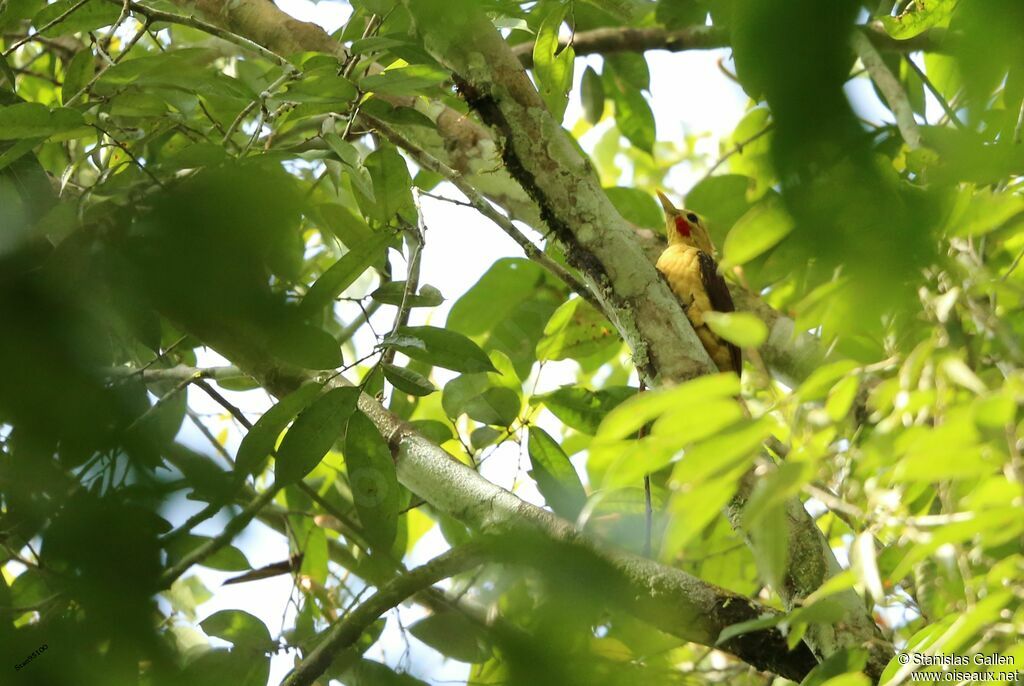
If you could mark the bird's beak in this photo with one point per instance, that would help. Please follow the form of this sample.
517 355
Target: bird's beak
666 203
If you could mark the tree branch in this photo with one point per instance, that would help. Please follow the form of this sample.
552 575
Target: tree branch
348 630
607 41
890 87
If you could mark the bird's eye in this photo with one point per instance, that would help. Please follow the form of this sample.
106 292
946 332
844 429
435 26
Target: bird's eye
692 217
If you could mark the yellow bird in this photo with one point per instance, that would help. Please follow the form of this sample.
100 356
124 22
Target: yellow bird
689 265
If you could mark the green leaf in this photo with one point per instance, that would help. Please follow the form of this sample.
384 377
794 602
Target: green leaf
817 385
451 633
756 232
18 10
507 283
633 114
314 432
919 19
349 156
734 630
226 559
411 80
769 537
392 187
641 408
740 328
721 200
32 120
583 409
576 329
552 67
92 15
837 665
636 206
343 273
841 397
77 73
592 95
483 400
407 380
392 293
240 629
185 595
305 346
440 347
556 478
259 442
374 483
322 85
435 431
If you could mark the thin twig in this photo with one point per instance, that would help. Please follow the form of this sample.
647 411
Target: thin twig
736 149
935 92
890 88
414 236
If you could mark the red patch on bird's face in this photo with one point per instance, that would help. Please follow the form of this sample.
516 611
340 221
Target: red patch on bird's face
683 227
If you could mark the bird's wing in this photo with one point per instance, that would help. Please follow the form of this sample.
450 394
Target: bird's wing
720 298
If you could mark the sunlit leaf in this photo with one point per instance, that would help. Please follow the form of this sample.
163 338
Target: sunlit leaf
556 478
741 328
757 231
440 347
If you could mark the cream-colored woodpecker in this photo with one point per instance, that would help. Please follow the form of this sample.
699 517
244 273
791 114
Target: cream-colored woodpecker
689 265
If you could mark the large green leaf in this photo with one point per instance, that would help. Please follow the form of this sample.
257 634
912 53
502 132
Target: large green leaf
556 478
633 113
226 559
440 347
576 329
392 188
756 232
372 478
259 442
583 409
32 120
343 273
89 16
552 66
451 634
507 283
239 628
409 80
314 432
921 17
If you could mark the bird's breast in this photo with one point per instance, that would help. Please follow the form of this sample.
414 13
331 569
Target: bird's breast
681 266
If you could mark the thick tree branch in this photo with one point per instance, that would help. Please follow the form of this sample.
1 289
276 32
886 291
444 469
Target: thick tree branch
606 41
670 599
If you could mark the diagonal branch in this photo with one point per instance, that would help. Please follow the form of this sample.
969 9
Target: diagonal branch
347 631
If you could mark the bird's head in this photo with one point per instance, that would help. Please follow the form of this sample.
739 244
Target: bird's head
684 227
